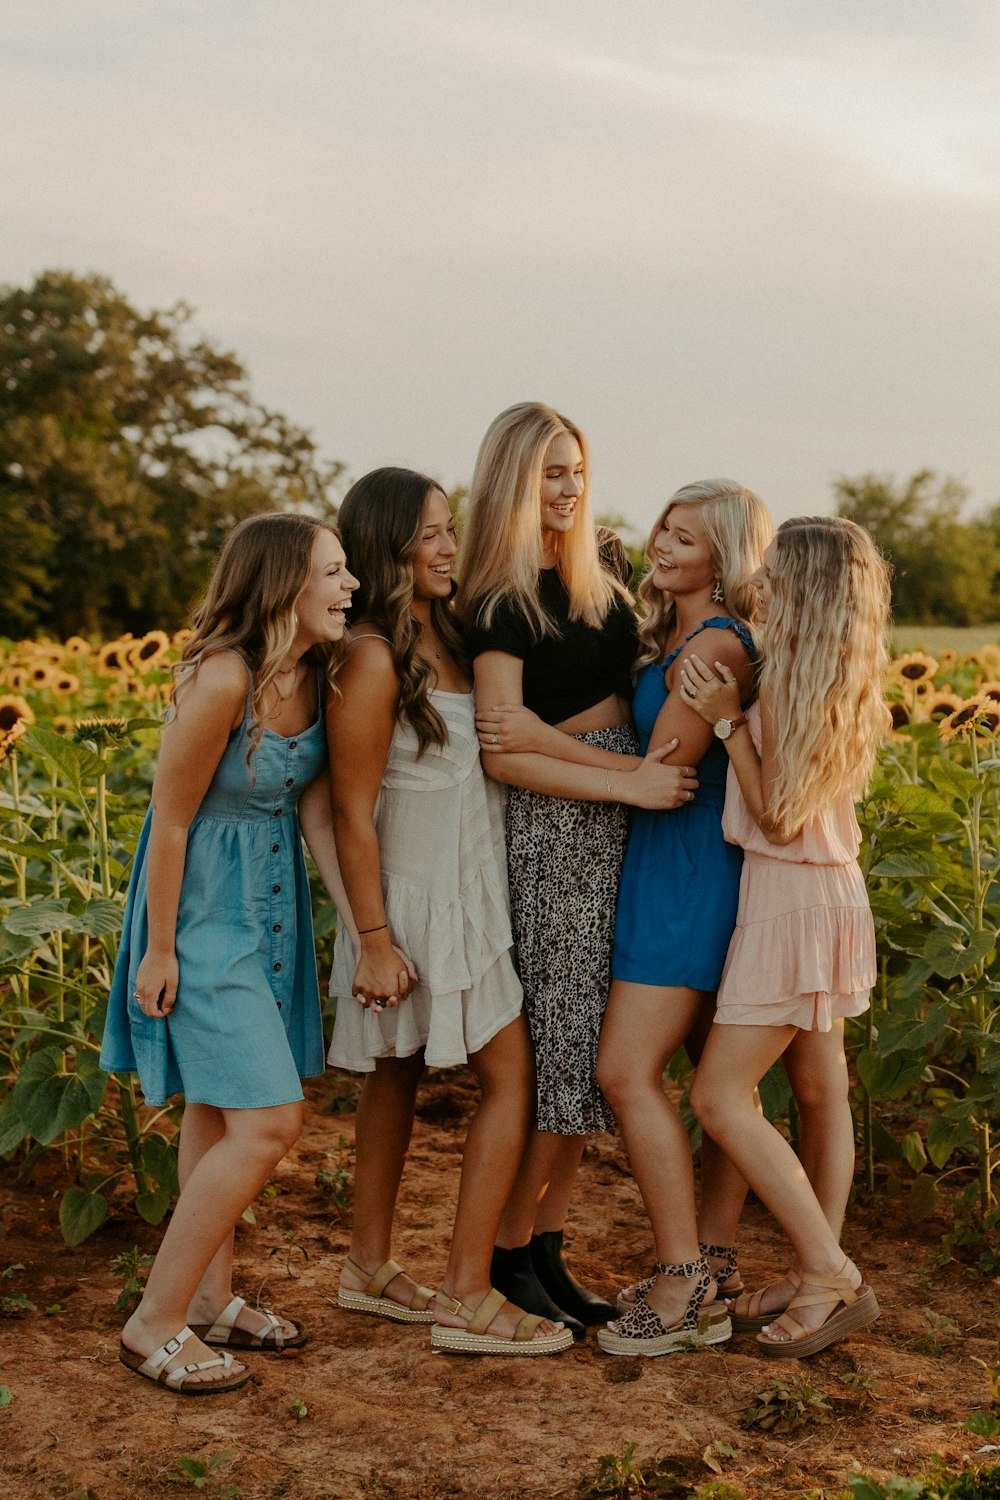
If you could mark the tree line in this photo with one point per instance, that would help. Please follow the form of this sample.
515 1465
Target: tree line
130 445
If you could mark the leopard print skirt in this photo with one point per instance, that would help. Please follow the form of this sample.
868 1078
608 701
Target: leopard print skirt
565 860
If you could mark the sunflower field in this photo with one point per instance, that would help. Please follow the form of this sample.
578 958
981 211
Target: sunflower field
79 725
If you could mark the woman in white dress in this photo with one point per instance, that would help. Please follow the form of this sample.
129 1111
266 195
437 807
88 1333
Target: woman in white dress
422 966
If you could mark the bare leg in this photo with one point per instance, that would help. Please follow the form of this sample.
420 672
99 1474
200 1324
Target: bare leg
222 1180
631 1078
817 1071
723 1188
382 1136
494 1148
543 1187
734 1061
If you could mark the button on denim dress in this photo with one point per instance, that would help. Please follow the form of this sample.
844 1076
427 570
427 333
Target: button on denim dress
247 1024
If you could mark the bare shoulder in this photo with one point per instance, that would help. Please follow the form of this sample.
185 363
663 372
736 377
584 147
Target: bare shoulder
219 681
718 644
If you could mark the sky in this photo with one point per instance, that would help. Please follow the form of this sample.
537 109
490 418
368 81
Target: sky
752 238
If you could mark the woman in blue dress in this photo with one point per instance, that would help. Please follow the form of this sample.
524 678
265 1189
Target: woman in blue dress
677 900
215 992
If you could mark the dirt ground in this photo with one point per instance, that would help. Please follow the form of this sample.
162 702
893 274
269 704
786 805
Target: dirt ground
388 1419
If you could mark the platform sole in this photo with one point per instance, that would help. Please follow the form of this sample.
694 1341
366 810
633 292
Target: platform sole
461 1341
850 1318
675 1342
381 1307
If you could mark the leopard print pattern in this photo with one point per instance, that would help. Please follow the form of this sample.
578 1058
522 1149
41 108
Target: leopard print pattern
564 858
641 1322
725 1253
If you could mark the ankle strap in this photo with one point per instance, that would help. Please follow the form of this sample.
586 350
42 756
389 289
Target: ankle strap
686 1268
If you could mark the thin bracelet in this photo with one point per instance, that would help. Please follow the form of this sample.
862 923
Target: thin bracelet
611 795
364 931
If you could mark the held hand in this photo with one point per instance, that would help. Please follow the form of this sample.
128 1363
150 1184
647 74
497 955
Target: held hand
511 727
660 787
156 984
384 975
713 695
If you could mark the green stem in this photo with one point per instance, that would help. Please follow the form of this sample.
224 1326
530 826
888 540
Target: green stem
133 1130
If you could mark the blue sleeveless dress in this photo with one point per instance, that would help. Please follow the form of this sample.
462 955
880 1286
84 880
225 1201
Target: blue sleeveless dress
681 880
247 1024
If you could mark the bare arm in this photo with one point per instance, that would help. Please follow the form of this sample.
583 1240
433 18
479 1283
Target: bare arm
360 722
716 695
316 818
583 772
209 707
678 719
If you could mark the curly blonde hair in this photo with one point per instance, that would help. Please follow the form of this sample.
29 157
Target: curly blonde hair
825 661
738 526
249 607
502 535
381 521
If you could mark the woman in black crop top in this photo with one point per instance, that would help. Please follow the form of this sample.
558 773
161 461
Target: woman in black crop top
552 630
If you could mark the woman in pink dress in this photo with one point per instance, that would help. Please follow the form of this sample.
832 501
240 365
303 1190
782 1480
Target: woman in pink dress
802 957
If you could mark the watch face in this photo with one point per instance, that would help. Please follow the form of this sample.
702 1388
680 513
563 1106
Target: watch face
724 729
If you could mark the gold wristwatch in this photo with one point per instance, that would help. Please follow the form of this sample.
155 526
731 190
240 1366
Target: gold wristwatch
723 728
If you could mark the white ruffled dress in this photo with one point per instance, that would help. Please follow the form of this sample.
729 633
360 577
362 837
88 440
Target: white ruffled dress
803 953
444 884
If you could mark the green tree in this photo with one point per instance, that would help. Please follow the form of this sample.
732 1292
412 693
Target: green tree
947 569
129 446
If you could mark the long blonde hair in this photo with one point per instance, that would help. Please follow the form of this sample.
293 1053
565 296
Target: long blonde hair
825 661
738 526
249 606
381 520
502 537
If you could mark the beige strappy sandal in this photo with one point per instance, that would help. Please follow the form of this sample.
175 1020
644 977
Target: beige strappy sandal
856 1309
372 1301
475 1337
271 1339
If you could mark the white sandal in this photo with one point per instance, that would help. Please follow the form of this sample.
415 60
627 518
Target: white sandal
178 1379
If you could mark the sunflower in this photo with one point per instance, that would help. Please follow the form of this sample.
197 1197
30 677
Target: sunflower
990 657
939 703
76 646
41 675
988 721
989 690
65 684
62 724
900 715
912 668
101 731
18 678
963 719
15 715
948 659
112 658
6 746
149 651
179 637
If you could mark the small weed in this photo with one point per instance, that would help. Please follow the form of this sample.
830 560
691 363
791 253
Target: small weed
13 1304
129 1266
941 1328
5 1396
716 1450
202 1472
619 1477
289 1248
53 1308
787 1406
334 1180
865 1381
298 1409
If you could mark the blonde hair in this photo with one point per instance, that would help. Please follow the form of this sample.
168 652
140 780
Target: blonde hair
502 535
825 660
249 606
738 527
381 520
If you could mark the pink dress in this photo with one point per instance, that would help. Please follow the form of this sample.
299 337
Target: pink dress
803 953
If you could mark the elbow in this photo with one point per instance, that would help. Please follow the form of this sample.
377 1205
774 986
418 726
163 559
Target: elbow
777 834
497 768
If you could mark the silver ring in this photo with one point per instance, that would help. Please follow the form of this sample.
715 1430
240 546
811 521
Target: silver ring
495 740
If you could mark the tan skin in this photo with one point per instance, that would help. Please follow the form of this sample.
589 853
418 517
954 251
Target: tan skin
667 1016
361 723
226 1155
809 1204
519 749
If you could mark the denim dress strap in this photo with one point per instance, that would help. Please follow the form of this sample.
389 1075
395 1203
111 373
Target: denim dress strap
717 622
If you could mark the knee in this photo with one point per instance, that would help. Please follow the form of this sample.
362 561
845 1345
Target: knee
275 1132
618 1078
709 1108
817 1091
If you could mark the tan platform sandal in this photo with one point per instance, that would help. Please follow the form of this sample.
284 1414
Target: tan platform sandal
856 1309
745 1310
475 1337
372 1301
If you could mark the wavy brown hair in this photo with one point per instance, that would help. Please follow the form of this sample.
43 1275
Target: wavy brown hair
738 526
825 661
381 520
249 606
502 536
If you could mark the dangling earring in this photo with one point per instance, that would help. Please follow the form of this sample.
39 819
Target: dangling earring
718 592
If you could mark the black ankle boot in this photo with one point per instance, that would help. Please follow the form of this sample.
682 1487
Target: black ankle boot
554 1275
512 1273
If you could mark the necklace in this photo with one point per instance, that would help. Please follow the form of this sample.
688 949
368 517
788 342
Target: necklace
291 672
428 644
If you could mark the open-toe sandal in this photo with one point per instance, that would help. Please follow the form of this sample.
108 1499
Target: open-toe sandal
372 1301
716 1310
745 1309
641 1331
271 1339
855 1309
475 1337
179 1379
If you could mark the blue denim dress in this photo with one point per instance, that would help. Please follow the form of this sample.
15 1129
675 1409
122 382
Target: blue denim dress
247 1024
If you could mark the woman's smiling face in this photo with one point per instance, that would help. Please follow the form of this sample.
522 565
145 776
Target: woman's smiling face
562 483
682 553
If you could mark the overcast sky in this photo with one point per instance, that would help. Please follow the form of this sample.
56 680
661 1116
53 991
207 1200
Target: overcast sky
747 237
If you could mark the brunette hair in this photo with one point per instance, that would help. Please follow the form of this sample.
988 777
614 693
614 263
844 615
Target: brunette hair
381 520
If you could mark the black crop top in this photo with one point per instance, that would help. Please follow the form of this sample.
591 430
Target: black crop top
567 673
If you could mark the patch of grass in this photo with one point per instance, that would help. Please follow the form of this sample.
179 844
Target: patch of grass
786 1406
13 1304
